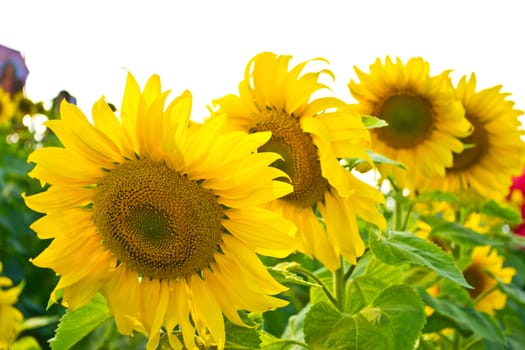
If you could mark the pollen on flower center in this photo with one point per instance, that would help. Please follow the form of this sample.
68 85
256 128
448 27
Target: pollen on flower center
409 118
475 146
300 157
156 221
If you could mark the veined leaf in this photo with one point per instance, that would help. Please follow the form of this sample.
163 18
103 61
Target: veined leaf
75 325
393 320
398 248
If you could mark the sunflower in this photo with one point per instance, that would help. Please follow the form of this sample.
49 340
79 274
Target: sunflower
425 119
486 266
10 317
495 151
163 219
310 134
7 107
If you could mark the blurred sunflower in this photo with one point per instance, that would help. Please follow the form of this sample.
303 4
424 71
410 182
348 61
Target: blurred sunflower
162 218
7 107
495 151
309 133
10 317
425 119
486 266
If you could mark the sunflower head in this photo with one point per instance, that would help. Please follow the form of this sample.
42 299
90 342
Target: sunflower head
11 318
494 152
486 266
149 206
311 130
425 119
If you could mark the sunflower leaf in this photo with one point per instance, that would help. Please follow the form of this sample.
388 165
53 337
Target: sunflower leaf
238 337
75 325
289 272
377 158
449 313
458 233
508 214
372 122
399 248
393 320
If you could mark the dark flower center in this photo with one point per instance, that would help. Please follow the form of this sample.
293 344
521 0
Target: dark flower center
409 118
300 157
157 221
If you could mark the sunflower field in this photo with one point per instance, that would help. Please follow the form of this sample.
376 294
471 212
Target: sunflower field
287 219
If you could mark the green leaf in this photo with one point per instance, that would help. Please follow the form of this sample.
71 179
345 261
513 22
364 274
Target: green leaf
26 343
370 277
400 248
509 215
458 233
376 158
38 321
75 325
513 292
392 321
465 317
287 272
363 290
372 122
292 337
238 337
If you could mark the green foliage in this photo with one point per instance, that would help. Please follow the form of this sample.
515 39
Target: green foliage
464 317
240 338
372 122
392 320
398 248
75 325
509 215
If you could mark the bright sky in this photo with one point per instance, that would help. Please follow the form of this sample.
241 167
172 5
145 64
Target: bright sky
203 46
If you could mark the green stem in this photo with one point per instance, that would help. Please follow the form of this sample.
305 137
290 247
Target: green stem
310 274
456 341
407 216
339 286
398 213
348 273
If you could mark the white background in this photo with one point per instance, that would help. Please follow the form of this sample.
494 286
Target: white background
203 46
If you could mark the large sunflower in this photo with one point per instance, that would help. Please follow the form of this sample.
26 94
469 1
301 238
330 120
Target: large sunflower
495 151
425 119
160 217
10 317
310 134
486 266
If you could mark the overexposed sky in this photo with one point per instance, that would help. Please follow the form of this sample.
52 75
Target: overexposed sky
84 46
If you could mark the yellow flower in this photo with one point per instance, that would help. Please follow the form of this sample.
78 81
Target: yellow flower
486 266
425 119
10 317
7 107
160 217
495 151
310 133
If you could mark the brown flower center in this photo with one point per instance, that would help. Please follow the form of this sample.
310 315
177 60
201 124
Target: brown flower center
300 158
477 278
476 145
157 221
409 118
